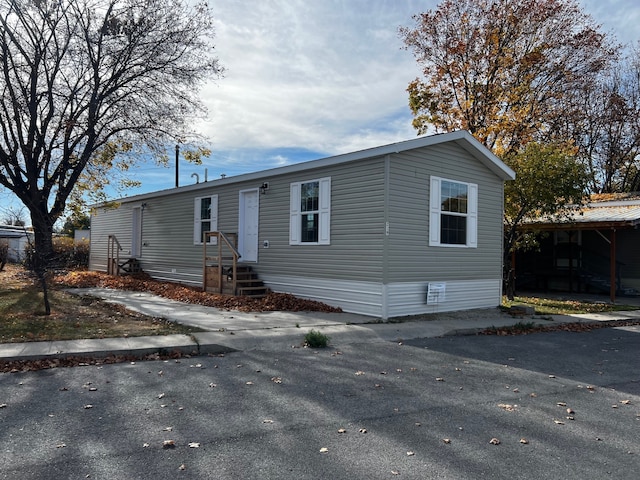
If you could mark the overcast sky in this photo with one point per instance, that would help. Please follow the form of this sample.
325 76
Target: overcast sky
307 79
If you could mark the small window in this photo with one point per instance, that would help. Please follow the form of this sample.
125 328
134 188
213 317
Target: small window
310 212
205 218
453 213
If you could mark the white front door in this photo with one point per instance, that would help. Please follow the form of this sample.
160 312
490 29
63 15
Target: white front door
248 225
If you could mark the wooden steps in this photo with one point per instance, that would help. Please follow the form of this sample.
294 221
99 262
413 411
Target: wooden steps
248 284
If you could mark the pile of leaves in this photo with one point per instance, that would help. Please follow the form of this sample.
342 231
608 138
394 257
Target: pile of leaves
183 293
525 329
16 366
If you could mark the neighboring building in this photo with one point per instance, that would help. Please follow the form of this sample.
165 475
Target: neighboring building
17 239
594 251
402 229
80 236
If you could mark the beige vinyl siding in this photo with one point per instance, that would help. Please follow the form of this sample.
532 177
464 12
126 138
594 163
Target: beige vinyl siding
109 221
410 256
357 226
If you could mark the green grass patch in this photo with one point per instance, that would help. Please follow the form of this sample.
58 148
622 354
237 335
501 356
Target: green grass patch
316 339
549 306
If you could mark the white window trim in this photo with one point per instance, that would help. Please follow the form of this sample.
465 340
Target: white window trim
197 221
324 213
435 213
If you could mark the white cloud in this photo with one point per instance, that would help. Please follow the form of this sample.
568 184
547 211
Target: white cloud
307 74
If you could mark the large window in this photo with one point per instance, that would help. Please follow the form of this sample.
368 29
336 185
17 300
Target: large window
453 215
310 207
205 217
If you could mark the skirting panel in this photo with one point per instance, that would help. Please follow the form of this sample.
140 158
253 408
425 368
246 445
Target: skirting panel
411 298
393 300
354 297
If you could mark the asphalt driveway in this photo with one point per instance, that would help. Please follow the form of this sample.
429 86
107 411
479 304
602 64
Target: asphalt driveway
561 405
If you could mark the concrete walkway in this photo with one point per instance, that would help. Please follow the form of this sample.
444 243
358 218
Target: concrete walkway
227 331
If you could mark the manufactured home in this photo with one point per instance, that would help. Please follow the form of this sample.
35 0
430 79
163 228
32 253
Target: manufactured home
403 229
17 239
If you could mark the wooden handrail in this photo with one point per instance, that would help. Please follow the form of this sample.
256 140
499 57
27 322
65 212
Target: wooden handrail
113 263
223 239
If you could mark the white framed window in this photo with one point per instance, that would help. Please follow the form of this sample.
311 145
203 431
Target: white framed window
310 212
205 217
453 213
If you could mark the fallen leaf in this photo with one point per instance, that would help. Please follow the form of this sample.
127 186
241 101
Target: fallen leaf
494 441
145 445
446 440
61 445
342 430
524 441
3 405
161 395
410 454
182 467
552 376
507 407
559 422
570 411
324 450
591 387
266 420
276 379
88 406
359 372
439 379
212 385
363 430
167 429
168 444
625 402
395 472
194 445
249 383
562 404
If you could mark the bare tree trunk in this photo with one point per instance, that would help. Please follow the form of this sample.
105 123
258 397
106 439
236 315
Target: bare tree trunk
42 253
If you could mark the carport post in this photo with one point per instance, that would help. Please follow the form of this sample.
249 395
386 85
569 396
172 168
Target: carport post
612 257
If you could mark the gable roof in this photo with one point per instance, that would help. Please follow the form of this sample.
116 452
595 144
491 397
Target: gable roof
461 138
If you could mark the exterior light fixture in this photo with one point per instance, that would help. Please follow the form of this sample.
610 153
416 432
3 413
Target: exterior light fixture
264 187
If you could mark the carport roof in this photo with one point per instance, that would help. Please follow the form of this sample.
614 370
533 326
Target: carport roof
597 215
